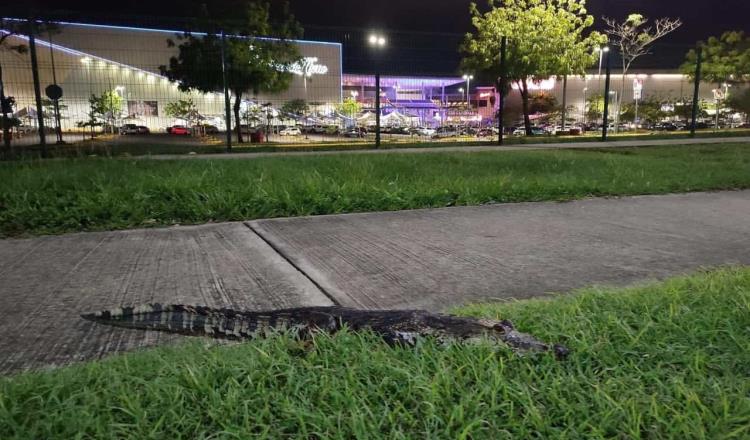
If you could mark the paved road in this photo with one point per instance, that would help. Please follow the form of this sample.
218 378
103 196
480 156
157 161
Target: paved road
429 259
437 149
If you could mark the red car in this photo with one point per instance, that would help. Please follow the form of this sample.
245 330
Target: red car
178 129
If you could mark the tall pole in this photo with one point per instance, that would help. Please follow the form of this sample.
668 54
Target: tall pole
227 110
565 100
5 110
606 100
56 102
37 88
377 109
501 95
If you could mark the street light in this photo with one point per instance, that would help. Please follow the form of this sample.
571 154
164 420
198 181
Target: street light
601 50
377 42
468 79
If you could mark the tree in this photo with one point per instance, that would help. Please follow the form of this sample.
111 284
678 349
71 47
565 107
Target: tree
350 107
253 115
546 38
49 109
740 103
11 28
106 108
542 102
295 107
254 62
594 107
90 123
724 59
184 109
633 39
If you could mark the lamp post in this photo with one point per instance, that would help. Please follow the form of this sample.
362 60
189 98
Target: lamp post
602 50
605 122
468 79
378 43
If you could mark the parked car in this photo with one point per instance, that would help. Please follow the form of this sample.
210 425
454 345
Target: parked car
488 132
424 131
665 126
355 132
446 132
535 131
700 126
209 129
290 131
745 125
129 129
178 130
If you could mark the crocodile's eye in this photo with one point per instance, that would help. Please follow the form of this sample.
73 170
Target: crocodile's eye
499 328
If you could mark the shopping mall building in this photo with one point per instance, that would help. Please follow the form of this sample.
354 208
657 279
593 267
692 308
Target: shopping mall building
87 59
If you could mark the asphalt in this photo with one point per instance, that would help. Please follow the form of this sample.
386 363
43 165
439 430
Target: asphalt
637 142
431 259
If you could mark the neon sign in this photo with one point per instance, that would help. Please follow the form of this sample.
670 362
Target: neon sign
308 67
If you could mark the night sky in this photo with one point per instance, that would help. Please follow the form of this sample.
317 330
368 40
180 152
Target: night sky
438 24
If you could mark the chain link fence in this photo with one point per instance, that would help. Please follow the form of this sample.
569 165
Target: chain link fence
129 85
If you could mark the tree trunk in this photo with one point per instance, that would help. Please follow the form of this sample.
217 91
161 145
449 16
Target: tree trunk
237 120
524 89
565 102
5 121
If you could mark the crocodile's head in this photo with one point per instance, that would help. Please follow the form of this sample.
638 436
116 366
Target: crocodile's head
506 332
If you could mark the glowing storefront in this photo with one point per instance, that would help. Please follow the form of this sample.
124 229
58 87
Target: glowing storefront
93 59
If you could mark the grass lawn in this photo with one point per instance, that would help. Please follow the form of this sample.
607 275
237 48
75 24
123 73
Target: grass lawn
116 146
42 197
665 360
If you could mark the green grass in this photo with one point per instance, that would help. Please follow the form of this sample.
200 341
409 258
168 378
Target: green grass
109 146
666 360
43 197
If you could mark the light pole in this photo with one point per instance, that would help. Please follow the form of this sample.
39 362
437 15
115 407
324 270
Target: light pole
602 50
378 42
468 79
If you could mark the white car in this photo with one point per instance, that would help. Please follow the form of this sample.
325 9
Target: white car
290 131
426 131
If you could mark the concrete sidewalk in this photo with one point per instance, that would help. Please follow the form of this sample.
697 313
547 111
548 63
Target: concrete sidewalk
467 149
429 259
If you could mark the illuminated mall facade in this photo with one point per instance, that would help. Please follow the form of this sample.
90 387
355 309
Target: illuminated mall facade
87 60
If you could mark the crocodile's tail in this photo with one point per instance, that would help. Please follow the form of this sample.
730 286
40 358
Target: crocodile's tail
206 321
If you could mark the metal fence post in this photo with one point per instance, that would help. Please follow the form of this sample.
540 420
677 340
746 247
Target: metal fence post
696 91
606 99
227 110
37 88
377 109
501 96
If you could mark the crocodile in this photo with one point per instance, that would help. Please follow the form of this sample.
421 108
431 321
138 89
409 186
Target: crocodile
395 326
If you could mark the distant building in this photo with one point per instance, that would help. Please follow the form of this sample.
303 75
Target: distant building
92 59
